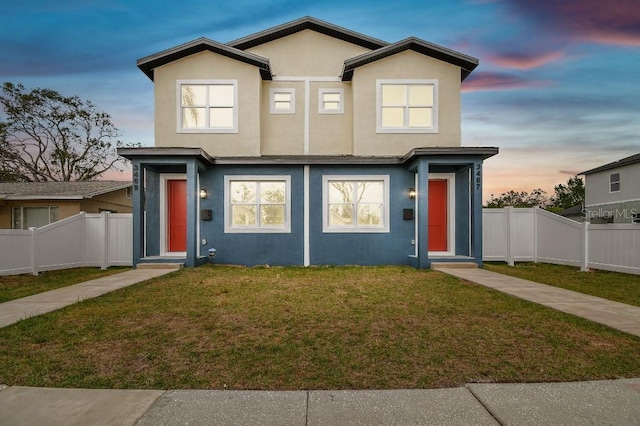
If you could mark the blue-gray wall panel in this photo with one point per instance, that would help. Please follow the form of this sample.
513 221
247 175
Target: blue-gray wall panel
393 247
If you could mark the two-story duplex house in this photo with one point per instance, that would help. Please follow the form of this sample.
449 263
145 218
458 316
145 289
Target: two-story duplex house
308 144
612 192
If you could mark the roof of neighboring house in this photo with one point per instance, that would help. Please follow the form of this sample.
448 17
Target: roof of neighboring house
572 211
58 190
466 63
624 162
236 49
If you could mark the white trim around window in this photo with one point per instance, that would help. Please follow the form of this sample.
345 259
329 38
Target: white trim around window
282 101
355 203
407 106
207 106
331 101
614 182
254 208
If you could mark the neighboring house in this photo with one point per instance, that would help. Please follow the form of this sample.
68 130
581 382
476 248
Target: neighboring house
612 192
308 144
576 213
34 204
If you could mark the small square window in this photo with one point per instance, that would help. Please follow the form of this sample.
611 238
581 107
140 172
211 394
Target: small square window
283 101
614 182
331 101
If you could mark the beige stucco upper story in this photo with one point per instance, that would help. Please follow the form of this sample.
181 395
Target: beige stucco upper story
306 65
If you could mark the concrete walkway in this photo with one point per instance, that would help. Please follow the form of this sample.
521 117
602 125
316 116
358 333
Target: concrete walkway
609 402
616 315
16 310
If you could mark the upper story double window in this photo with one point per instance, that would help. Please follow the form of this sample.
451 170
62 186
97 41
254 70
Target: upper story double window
208 106
407 106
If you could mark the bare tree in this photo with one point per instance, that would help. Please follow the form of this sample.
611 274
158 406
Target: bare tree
45 136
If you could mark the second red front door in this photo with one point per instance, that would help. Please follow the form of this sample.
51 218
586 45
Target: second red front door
177 216
438 224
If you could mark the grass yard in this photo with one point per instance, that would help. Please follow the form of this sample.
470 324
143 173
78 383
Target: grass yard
17 286
218 327
624 288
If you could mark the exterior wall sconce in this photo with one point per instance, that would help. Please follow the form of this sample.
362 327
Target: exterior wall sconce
203 193
412 193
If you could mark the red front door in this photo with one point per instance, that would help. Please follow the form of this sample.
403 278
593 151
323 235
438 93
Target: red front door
177 215
438 235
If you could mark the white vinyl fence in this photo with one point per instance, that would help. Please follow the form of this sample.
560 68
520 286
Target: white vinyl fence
536 235
86 239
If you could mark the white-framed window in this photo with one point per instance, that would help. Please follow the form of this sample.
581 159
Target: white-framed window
355 203
256 204
27 217
207 106
407 106
614 182
283 101
331 101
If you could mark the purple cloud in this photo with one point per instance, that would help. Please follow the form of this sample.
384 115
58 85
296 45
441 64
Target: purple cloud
524 60
491 81
614 22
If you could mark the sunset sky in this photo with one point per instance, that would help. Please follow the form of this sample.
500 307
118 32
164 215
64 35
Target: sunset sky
557 88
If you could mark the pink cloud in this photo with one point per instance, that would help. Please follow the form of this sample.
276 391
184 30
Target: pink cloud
613 22
524 61
490 81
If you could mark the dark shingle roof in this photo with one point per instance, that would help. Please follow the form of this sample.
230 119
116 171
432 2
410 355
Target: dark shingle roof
624 162
58 190
150 63
306 23
236 49
466 63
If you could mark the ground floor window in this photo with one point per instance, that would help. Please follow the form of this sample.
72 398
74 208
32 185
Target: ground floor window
257 204
355 203
27 217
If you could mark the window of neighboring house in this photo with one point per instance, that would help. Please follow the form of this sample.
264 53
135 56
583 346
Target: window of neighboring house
614 182
635 218
407 106
355 203
331 101
208 106
283 101
258 204
27 217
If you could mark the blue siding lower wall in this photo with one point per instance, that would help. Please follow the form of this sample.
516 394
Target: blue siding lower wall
344 248
397 246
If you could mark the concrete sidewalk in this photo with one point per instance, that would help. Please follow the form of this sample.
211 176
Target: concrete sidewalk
614 314
609 402
16 310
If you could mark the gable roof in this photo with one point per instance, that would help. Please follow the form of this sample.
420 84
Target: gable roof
149 63
58 190
307 23
623 162
465 62
379 49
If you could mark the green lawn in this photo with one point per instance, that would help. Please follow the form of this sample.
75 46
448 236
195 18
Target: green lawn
17 286
616 286
217 327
